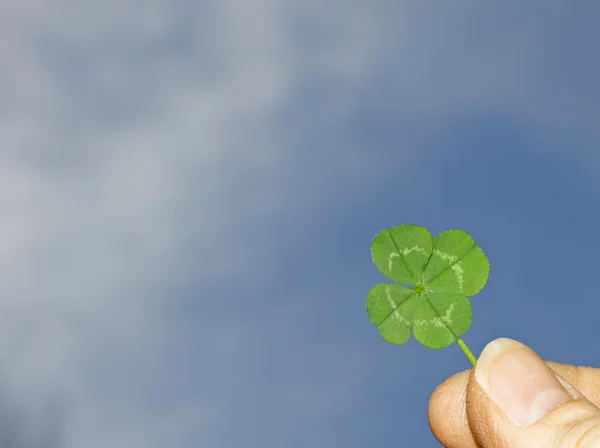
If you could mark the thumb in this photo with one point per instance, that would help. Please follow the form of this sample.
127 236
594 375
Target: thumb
514 400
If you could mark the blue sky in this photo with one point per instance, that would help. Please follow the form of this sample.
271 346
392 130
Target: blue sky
188 193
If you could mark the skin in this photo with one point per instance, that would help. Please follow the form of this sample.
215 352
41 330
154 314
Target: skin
458 424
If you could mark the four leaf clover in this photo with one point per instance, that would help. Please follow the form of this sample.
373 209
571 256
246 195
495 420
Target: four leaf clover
442 272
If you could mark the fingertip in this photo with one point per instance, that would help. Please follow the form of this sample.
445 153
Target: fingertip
447 415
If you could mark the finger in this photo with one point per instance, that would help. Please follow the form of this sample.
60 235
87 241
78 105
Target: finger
447 405
447 413
514 400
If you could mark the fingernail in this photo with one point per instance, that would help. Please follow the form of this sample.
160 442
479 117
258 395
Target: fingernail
518 381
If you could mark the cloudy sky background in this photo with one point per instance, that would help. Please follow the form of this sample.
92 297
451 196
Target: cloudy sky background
188 192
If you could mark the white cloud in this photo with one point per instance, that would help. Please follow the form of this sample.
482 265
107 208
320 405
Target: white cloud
95 211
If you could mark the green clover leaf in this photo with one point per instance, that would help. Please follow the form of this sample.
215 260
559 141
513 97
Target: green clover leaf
443 271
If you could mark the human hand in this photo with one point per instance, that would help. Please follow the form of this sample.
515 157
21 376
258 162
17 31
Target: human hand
513 399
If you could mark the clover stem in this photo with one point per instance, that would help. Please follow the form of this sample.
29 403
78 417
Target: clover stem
466 351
